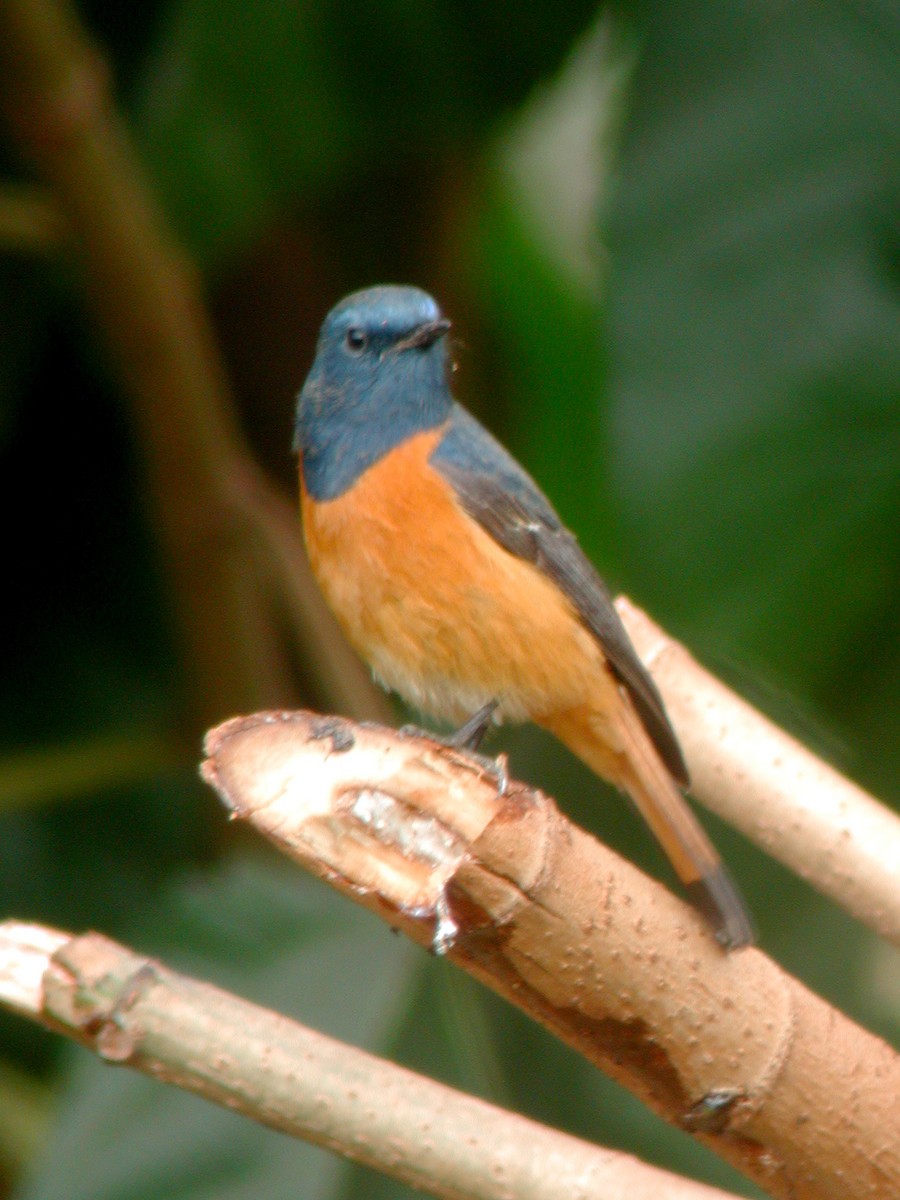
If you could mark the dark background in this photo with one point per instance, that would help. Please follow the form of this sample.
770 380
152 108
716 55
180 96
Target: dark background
668 237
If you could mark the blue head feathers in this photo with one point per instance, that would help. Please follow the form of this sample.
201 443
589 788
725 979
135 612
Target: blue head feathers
379 376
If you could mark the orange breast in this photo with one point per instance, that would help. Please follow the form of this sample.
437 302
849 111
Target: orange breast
443 614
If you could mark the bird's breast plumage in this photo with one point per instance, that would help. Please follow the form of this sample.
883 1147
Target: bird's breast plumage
444 615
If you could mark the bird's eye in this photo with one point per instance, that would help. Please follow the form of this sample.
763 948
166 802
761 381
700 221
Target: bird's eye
355 340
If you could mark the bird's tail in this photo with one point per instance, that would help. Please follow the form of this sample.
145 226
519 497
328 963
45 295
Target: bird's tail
639 771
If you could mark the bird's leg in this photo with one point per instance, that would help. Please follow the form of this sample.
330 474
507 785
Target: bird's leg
471 733
468 738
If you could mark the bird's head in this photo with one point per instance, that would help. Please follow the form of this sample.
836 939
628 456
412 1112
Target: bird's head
380 375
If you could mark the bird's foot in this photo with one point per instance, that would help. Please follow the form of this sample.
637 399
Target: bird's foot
468 738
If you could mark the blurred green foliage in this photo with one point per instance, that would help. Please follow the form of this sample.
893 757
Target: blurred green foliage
700 360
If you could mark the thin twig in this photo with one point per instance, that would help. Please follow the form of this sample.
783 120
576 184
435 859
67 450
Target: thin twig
30 220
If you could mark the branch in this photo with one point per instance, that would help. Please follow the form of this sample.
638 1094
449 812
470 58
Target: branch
725 1045
30 220
762 781
218 519
133 1011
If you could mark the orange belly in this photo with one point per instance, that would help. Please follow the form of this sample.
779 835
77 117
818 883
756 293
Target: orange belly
444 615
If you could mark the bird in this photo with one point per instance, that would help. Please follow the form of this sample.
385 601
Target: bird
455 580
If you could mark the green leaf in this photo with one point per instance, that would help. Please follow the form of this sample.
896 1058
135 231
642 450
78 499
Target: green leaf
248 110
755 351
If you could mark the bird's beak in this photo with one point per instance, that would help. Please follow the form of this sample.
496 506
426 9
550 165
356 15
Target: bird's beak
424 335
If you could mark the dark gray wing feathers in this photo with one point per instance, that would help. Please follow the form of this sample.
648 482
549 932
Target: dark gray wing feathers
523 522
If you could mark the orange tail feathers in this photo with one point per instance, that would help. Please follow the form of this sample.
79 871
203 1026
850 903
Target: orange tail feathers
637 769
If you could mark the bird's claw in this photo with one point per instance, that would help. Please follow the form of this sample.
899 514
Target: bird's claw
467 739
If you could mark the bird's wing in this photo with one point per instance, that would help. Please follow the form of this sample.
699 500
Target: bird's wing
497 493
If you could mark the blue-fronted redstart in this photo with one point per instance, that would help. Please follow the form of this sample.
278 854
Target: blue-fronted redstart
455 579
